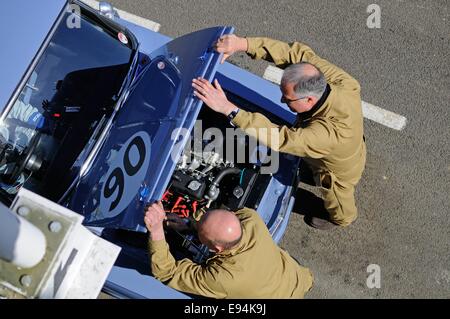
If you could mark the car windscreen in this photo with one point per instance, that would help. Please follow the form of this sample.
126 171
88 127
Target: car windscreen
71 91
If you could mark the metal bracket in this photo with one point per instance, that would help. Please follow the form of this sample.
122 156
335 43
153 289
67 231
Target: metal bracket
76 262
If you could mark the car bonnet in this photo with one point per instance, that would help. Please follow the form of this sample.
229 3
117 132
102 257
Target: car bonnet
141 149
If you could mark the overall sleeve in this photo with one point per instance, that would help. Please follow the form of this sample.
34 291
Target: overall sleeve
315 141
284 54
184 275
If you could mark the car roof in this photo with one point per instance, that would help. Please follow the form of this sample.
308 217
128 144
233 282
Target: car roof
26 25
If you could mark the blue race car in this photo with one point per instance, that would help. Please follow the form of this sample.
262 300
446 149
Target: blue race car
98 115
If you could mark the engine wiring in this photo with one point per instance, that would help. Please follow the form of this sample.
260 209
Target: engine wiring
180 205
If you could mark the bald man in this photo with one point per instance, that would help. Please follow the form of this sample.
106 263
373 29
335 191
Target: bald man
247 262
328 133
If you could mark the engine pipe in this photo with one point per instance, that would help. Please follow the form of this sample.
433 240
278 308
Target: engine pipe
227 171
213 191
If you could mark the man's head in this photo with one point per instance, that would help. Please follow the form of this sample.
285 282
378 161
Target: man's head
302 86
219 230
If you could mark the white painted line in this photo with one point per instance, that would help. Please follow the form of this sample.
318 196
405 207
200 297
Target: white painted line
370 111
273 74
151 25
384 117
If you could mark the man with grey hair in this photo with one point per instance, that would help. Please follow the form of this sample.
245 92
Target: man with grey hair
247 262
328 133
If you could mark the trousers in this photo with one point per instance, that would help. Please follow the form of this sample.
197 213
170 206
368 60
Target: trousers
338 197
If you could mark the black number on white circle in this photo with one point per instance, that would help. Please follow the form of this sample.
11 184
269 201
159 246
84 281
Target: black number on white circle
129 168
118 175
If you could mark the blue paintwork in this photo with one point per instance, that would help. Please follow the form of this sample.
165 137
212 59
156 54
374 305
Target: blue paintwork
157 108
21 41
273 206
149 41
128 283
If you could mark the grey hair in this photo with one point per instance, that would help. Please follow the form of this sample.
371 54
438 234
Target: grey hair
305 83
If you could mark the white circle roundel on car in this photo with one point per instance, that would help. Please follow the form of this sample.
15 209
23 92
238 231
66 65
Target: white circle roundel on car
127 170
122 37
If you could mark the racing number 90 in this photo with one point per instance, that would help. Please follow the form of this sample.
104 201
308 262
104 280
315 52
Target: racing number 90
118 175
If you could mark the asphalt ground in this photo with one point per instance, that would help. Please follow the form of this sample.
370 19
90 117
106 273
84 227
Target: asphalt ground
403 197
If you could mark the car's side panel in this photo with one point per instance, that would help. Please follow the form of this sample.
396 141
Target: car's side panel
127 283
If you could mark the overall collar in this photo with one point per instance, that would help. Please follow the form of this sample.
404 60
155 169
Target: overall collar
306 116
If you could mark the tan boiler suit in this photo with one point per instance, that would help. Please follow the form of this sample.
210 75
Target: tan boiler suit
331 142
255 268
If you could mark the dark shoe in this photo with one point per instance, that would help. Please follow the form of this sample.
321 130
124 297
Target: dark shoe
321 223
312 207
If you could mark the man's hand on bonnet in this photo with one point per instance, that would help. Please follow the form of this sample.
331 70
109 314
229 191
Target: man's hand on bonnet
230 44
154 218
212 96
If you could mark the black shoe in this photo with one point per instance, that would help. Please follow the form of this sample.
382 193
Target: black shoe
312 207
321 223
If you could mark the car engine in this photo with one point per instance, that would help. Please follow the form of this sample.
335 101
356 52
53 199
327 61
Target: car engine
204 181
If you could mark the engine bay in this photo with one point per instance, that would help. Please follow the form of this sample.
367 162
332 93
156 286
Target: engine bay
206 183
204 180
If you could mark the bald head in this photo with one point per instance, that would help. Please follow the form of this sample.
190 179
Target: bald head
220 229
